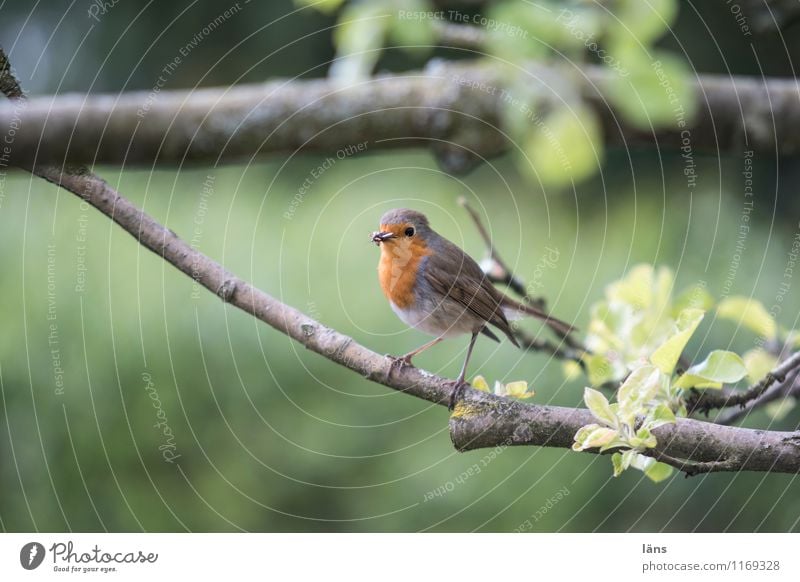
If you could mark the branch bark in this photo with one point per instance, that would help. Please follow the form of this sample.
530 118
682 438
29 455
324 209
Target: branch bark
482 420
479 419
455 107
706 400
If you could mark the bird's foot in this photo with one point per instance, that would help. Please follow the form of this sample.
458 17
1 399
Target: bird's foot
458 392
397 363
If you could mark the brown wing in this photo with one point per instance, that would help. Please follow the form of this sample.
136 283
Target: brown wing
454 275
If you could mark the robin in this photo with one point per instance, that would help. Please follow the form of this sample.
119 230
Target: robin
434 286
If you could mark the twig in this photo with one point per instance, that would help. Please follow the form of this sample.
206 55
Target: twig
710 399
499 272
480 419
789 387
562 352
692 468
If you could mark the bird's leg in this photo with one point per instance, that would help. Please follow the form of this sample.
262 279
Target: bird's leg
460 383
402 361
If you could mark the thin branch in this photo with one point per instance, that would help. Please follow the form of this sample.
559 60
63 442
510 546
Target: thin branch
499 272
455 106
710 399
479 419
692 468
790 387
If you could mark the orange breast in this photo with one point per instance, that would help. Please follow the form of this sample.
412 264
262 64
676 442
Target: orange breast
397 270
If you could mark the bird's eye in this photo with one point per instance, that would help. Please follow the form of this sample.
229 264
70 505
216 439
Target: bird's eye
409 231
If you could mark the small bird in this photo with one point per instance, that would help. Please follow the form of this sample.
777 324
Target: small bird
434 286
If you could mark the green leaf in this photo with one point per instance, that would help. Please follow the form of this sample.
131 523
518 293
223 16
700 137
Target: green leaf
635 289
657 472
518 389
572 369
358 38
655 93
415 35
643 439
662 290
659 416
616 462
759 363
599 407
720 367
517 37
581 436
326 6
638 390
696 296
479 383
646 21
598 369
599 437
621 461
563 148
748 312
667 355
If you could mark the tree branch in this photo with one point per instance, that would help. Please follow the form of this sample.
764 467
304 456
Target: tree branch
455 106
498 272
483 420
479 419
710 399
789 387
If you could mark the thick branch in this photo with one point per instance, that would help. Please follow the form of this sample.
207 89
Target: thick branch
480 419
483 420
451 102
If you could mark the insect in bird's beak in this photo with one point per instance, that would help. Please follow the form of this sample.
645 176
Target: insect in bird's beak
379 236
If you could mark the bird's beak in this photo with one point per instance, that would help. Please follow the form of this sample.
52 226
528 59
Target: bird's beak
379 236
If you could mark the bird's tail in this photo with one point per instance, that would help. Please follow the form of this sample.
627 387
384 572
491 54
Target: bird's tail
560 327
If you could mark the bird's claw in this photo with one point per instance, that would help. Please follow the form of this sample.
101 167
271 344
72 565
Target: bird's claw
397 362
458 392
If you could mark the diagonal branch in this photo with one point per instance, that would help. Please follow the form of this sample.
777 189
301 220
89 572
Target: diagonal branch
479 419
788 388
710 399
497 271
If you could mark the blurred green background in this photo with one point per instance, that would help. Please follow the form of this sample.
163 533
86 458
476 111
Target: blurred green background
271 437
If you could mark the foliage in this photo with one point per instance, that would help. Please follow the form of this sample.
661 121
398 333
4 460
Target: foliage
637 317
639 333
516 389
558 137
